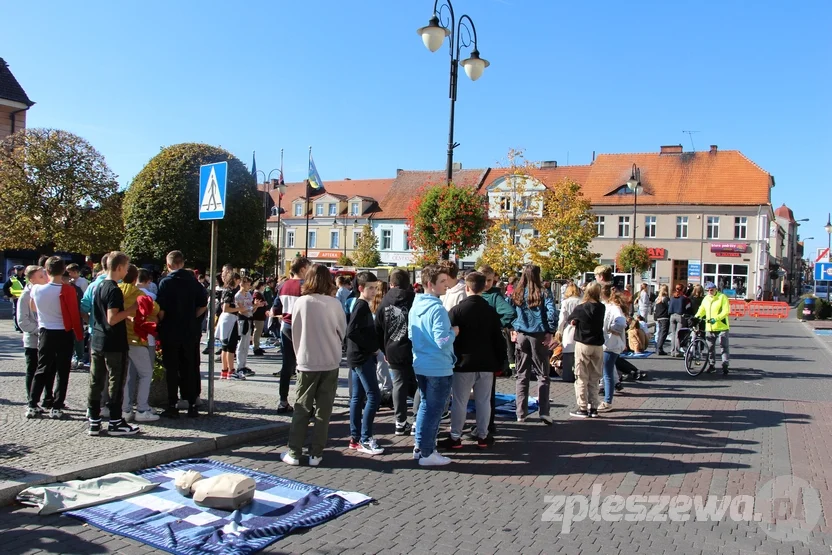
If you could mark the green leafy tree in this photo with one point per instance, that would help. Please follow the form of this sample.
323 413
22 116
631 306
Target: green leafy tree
444 218
565 232
57 193
267 258
161 209
366 251
344 260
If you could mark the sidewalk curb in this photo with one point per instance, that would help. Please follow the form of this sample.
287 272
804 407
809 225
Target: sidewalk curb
137 461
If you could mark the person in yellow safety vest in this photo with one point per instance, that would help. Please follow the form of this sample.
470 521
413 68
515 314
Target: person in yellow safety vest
13 289
715 310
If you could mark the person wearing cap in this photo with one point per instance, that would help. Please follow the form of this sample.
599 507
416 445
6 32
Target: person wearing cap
13 289
715 310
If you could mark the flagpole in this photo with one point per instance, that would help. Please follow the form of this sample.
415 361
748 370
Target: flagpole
306 250
279 208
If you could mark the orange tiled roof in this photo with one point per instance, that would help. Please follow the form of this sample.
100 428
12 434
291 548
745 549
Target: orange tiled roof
547 176
724 177
408 183
374 189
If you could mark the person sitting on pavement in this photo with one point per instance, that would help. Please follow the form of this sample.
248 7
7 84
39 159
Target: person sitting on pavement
715 310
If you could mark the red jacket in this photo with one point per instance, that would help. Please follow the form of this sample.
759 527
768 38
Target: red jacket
141 326
70 311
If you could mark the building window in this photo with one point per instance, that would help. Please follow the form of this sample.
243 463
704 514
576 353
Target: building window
319 209
354 209
298 210
713 227
535 233
269 235
406 245
681 227
505 204
649 226
599 226
356 236
623 226
386 239
334 239
333 209
290 239
728 276
740 227
313 239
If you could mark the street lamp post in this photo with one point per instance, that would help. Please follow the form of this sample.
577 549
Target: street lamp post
281 190
433 35
828 228
634 184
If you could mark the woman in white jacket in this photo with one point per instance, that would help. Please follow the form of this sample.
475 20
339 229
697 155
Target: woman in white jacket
615 325
571 298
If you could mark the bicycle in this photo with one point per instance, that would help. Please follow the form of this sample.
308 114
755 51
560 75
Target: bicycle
699 355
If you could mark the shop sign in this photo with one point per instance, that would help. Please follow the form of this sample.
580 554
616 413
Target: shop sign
729 247
331 255
694 270
656 253
728 254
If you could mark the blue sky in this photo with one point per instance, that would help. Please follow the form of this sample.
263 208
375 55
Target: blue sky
353 80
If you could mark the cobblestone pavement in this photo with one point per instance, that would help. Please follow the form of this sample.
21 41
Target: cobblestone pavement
669 435
43 446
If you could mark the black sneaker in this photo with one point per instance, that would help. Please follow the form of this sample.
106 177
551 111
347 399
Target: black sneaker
724 368
403 429
259 352
170 412
579 413
593 413
546 419
247 371
485 442
285 409
619 387
95 428
193 412
122 428
450 443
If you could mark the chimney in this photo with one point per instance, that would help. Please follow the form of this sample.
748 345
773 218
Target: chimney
671 149
593 156
456 166
398 171
549 164
347 179
714 149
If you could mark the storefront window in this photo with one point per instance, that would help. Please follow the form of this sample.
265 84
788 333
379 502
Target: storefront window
728 276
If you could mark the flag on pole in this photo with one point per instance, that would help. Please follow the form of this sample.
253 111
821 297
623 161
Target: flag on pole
315 183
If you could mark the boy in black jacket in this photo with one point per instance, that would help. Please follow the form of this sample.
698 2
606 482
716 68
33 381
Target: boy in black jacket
362 346
480 352
391 328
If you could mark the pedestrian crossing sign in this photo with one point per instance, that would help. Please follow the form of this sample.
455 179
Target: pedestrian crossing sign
212 189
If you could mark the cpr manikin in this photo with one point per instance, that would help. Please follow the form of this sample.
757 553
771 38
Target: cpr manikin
226 492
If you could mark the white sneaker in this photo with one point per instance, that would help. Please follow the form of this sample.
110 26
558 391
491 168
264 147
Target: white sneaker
56 414
417 454
435 459
370 447
289 459
146 416
128 416
315 461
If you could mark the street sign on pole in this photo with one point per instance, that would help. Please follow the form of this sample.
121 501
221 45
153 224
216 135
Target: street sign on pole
823 254
212 194
212 181
823 271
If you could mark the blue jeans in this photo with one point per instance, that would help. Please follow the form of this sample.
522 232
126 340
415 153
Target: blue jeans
609 375
435 392
364 383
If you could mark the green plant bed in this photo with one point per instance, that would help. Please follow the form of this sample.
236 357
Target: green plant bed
823 310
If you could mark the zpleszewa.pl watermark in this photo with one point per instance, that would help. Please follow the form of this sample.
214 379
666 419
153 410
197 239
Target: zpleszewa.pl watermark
787 508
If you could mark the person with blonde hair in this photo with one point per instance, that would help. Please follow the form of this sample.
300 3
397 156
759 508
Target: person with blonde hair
588 319
571 298
615 326
661 313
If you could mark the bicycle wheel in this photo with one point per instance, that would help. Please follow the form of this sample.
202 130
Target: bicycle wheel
696 356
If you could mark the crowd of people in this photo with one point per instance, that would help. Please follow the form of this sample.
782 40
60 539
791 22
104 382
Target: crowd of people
439 342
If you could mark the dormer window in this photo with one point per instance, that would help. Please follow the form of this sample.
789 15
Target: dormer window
319 209
354 209
333 209
298 210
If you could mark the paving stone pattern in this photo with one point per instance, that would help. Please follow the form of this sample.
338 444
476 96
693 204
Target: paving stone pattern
669 435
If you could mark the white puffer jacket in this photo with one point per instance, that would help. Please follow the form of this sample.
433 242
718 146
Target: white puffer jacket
615 325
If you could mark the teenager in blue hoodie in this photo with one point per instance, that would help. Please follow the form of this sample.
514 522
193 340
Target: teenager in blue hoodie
429 329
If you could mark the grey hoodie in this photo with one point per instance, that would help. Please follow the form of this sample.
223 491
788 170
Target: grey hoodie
27 319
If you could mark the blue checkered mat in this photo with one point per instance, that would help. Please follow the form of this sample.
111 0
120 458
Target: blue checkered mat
505 406
167 520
